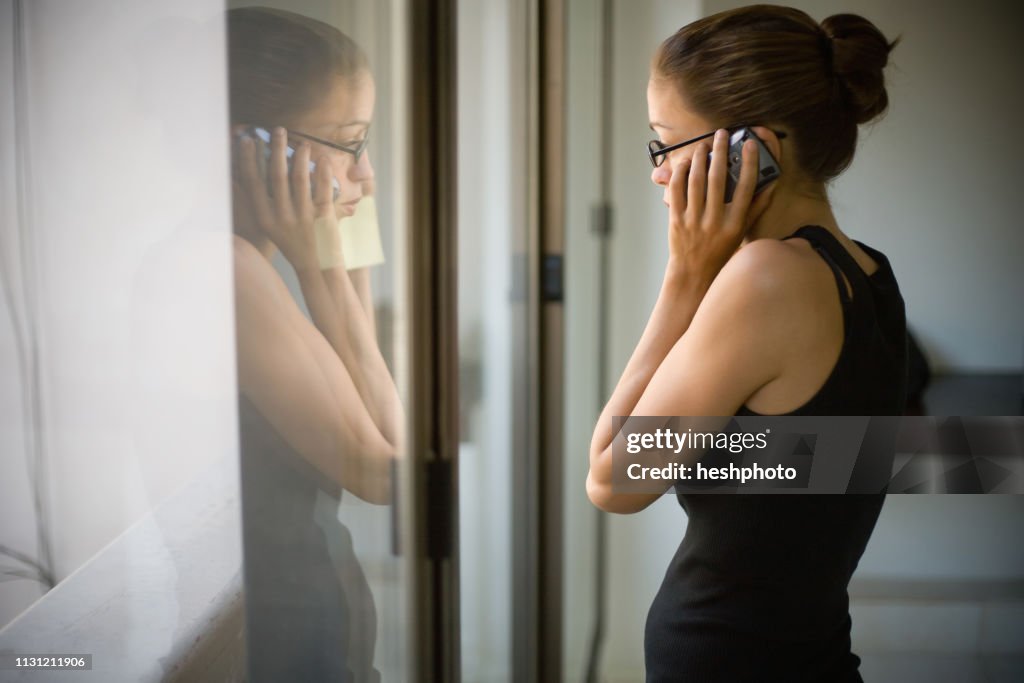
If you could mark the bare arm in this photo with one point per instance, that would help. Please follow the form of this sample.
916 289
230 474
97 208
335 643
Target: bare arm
674 310
338 311
734 345
688 361
361 281
298 383
323 386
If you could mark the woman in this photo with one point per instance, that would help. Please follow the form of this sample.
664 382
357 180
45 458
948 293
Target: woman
766 308
319 410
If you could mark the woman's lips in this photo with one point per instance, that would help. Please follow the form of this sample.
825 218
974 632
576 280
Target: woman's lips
348 208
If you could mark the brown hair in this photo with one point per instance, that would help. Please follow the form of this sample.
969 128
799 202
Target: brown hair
777 67
280 63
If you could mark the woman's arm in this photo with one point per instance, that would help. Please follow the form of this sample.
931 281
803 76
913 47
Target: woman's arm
361 281
338 312
342 412
697 294
298 383
735 344
681 294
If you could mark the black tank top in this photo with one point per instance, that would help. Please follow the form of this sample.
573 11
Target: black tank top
310 615
757 590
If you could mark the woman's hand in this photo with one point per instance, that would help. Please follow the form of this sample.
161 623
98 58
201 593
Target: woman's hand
289 212
704 231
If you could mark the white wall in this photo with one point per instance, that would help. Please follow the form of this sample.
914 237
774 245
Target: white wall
961 537
492 210
128 278
17 529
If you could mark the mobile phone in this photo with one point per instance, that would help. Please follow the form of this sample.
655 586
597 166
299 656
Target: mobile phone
767 166
261 136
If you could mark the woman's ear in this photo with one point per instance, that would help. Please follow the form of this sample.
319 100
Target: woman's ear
771 141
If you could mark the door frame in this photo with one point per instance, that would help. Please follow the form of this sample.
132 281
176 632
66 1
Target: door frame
429 523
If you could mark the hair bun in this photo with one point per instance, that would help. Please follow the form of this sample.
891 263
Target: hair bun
859 55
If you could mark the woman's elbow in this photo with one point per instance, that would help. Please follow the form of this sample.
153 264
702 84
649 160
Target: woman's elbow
377 490
370 474
600 493
604 498
375 486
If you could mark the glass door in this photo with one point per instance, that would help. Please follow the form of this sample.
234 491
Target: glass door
322 405
510 117
120 545
348 524
227 245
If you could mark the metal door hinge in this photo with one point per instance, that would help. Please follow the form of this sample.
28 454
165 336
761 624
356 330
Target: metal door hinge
439 492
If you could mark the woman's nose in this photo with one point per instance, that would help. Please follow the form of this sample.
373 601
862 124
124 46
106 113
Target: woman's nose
362 170
661 175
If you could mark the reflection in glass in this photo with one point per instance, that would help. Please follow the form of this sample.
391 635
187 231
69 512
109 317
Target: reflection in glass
319 411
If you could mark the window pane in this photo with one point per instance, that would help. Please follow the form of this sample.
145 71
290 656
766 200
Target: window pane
320 344
118 474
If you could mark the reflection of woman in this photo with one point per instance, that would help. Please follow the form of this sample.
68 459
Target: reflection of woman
319 410
767 307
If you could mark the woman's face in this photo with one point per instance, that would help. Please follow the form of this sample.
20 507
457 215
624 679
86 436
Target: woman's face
342 117
672 122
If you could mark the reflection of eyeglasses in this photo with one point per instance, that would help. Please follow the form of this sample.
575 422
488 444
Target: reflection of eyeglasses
356 151
657 150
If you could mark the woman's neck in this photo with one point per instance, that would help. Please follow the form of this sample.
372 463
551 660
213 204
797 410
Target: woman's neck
790 210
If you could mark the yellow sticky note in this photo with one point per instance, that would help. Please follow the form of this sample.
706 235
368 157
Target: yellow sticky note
354 239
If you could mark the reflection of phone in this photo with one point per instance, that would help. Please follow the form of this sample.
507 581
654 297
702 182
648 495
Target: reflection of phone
261 136
767 166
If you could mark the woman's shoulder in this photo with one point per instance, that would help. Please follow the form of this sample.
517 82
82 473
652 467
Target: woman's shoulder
782 289
260 292
767 294
773 269
246 254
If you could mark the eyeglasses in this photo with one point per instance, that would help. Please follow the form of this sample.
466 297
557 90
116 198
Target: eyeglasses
657 151
356 151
